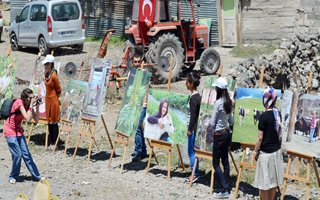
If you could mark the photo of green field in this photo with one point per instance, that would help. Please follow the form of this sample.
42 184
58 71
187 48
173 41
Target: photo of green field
249 99
7 77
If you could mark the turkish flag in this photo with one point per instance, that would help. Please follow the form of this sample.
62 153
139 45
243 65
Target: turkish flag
147 12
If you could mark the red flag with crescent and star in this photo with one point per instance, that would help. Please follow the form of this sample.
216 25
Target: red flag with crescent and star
147 12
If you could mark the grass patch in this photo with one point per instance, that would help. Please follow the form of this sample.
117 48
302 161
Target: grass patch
114 40
252 51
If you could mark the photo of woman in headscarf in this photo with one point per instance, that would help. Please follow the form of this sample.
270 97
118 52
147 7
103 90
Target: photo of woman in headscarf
163 120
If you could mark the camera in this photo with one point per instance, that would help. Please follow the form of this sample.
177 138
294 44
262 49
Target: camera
38 101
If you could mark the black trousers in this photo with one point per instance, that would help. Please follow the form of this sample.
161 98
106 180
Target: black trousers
53 133
220 152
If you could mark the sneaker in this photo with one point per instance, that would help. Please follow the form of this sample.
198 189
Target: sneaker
221 195
194 179
12 181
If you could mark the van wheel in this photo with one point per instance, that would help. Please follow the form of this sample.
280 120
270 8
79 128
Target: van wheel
43 48
14 42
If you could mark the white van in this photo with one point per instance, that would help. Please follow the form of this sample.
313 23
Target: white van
48 25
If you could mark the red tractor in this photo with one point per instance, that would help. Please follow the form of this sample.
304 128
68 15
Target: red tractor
167 32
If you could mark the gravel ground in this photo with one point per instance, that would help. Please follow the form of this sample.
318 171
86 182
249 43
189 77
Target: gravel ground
82 179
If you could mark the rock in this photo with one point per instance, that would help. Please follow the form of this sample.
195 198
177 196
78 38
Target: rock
315 83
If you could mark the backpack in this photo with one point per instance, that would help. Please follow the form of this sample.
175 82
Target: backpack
5 111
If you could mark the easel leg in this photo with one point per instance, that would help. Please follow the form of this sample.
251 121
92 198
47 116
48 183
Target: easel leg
123 156
234 162
56 143
238 182
181 159
153 153
30 132
66 145
95 142
113 152
169 160
75 151
284 185
105 127
316 171
90 148
149 160
212 179
194 169
47 136
308 180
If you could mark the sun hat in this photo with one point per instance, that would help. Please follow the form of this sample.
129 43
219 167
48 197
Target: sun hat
269 96
48 59
220 83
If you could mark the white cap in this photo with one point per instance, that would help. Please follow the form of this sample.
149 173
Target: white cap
220 83
49 59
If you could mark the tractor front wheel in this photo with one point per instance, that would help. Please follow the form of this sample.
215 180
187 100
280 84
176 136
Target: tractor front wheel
166 47
209 61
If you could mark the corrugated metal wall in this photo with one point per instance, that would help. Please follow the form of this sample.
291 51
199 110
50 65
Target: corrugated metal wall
15 8
101 15
207 9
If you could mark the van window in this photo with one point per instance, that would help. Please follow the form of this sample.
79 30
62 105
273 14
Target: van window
24 14
38 13
65 11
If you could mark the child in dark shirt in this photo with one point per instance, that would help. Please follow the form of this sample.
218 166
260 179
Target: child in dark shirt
192 82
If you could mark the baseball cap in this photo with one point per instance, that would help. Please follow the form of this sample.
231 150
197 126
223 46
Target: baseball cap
220 83
48 59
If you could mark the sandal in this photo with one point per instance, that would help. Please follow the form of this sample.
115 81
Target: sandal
12 181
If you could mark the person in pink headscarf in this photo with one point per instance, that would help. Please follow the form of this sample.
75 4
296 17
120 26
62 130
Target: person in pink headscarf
268 154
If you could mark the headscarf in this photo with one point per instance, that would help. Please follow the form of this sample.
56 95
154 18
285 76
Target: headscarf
269 97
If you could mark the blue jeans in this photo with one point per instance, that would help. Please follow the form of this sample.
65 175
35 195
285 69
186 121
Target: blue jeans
140 145
312 134
220 152
192 153
19 149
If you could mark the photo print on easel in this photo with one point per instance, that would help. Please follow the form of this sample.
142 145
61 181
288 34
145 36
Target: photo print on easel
7 77
304 123
167 116
73 100
97 88
204 139
248 108
132 101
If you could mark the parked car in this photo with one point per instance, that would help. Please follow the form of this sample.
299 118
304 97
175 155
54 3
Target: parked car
1 24
48 25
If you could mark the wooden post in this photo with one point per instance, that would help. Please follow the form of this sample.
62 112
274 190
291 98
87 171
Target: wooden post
8 51
309 82
261 76
219 72
292 120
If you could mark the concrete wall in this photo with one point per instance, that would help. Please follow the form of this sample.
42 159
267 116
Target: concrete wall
267 21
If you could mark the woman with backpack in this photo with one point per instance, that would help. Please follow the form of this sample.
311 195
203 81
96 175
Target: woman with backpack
21 109
53 91
269 171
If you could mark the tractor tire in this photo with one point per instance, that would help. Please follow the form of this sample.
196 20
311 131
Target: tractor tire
167 46
209 61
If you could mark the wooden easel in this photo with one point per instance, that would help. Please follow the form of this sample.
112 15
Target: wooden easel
87 130
162 144
310 160
41 121
244 164
166 146
65 128
200 154
120 139
106 128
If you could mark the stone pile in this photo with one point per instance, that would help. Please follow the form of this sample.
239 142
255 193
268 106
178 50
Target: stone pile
287 68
